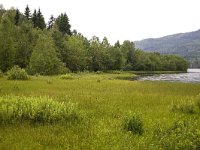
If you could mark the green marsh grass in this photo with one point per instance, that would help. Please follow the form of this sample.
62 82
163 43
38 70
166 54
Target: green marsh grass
103 106
15 109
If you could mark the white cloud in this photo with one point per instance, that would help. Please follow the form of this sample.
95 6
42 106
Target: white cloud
121 19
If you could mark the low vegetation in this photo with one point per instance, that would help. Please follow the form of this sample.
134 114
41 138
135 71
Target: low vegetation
40 115
16 73
15 109
181 134
188 106
67 77
1 74
133 123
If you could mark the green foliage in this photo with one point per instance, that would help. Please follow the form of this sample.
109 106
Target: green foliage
20 36
51 22
62 23
133 123
16 73
98 57
17 17
27 13
182 134
184 106
44 58
38 20
27 38
198 101
189 106
76 52
7 44
157 62
35 110
104 106
1 74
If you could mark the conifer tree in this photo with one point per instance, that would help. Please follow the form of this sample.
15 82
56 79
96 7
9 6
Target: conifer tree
27 12
51 22
34 18
17 17
63 25
40 20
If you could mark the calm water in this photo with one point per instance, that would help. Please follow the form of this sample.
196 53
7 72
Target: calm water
192 75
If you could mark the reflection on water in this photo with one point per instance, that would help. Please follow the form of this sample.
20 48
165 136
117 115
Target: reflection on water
193 75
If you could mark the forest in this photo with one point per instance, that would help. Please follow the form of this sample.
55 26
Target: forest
53 48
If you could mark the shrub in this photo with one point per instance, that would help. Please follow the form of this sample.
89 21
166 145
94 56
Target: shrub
67 77
16 73
35 110
133 123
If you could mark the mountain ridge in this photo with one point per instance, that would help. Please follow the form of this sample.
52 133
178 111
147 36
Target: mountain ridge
185 44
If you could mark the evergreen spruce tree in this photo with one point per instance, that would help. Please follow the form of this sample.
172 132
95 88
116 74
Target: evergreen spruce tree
34 18
63 25
27 12
51 22
17 17
40 20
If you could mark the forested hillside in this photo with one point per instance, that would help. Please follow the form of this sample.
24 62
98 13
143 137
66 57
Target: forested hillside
53 48
186 45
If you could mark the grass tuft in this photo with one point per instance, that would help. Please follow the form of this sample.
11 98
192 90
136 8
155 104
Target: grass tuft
35 110
67 77
133 123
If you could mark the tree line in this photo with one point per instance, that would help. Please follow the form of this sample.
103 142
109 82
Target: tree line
53 48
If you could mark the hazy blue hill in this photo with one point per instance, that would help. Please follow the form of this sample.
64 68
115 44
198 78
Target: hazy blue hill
184 44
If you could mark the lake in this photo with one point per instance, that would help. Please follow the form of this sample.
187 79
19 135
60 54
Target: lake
192 75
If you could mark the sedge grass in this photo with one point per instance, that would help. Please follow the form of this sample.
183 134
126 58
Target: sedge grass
104 105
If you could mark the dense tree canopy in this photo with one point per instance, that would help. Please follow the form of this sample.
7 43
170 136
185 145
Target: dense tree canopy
27 42
44 59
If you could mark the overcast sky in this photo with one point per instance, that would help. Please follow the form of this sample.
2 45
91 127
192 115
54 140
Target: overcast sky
120 19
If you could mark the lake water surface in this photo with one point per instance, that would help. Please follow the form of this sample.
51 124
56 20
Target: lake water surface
192 75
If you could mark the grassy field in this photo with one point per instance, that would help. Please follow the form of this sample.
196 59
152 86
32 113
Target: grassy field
103 101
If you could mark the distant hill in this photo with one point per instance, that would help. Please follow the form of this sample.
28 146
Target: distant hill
184 44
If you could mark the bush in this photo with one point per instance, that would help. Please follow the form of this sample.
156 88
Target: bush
35 110
67 77
16 73
133 123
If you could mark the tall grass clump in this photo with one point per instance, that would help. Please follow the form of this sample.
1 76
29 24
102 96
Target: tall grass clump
181 134
188 106
198 101
133 123
16 73
67 77
36 110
